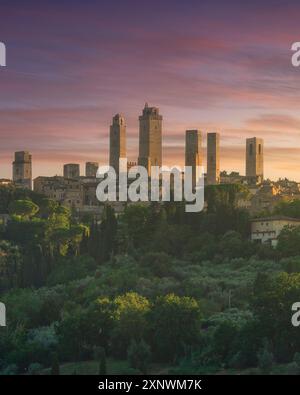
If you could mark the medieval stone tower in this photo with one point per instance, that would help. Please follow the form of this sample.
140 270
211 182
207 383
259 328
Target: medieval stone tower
213 158
72 170
193 147
254 160
22 169
91 169
117 141
150 138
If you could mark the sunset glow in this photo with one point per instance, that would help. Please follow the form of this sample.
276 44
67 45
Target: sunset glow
216 66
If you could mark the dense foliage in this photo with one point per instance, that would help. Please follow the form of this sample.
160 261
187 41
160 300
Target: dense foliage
153 285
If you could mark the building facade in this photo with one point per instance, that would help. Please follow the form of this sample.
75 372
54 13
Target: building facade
66 191
267 229
22 169
150 138
71 170
91 169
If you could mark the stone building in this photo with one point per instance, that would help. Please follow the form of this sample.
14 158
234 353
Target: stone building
193 147
233 177
72 170
254 160
117 141
213 158
22 169
66 191
76 193
150 138
267 229
89 186
91 169
264 198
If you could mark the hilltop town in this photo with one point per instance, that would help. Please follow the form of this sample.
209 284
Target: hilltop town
78 192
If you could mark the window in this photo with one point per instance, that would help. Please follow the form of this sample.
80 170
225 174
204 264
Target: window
259 149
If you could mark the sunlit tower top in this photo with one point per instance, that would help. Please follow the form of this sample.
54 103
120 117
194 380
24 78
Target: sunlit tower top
150 138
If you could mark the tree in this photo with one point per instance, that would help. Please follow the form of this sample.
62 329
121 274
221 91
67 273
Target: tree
289 209
232 245
175 324
265 359
139 355
224 337
34 369
289 241
225 195
108 233
55 368
271 303
102 363
158 263
10 266
76 234
48 208
130 318
23 208
297 359
136 219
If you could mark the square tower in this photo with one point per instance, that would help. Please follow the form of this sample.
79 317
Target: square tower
193 147
150 138
213 158
91 169
22 169
255 160
117 141
72 170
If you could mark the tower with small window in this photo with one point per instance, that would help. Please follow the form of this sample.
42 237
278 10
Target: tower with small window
22 169
255 160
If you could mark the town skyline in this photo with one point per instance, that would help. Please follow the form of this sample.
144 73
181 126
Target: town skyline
202 152
151 152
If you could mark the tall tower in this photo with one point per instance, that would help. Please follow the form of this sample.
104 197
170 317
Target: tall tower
22 169
213 158
150 138
117 141
91 169
193 147
72 170
255 160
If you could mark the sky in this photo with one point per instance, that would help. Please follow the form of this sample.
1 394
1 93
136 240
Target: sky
217 66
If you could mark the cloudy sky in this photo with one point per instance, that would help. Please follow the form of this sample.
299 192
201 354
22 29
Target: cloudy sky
212 65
